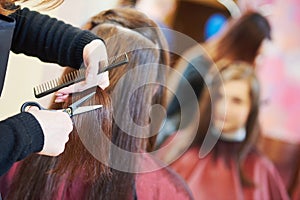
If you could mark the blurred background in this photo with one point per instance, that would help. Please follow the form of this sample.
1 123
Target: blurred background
278 66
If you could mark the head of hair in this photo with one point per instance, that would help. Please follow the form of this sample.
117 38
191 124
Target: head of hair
127 31
235 71
240 71
241 39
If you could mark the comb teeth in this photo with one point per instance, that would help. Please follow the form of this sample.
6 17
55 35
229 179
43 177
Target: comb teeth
75 76
115 61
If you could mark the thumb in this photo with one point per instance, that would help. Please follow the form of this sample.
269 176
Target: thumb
103 80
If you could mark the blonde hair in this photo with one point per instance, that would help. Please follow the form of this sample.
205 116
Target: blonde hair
8 6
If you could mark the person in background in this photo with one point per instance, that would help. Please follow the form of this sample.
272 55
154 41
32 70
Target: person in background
233 166
50 40
240 39
99 161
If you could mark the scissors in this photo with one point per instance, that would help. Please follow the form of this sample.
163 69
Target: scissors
71 110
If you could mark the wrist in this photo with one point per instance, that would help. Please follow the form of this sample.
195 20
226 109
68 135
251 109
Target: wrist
32 133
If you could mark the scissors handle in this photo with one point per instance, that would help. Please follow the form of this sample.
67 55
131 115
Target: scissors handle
69 111
31 103
28 104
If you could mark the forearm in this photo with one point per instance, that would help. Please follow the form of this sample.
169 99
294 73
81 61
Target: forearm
49 39
20 136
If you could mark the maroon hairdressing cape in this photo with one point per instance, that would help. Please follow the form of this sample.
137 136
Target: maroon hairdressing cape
162 183
216 176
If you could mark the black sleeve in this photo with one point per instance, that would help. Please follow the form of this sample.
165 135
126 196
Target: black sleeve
49 39
20 136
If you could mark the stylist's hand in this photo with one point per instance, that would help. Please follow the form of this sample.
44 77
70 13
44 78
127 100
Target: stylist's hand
93 54
56 127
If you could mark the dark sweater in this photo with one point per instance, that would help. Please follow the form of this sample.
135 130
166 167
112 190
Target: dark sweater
20 135
50 40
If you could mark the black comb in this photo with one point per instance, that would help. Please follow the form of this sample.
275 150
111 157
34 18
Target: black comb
75 76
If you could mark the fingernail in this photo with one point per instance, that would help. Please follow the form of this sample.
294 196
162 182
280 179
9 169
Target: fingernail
58 94
58 100
65 96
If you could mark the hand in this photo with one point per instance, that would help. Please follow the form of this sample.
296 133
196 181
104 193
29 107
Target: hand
93 54
56 127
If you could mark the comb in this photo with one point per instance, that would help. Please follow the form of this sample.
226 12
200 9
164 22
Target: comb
76 76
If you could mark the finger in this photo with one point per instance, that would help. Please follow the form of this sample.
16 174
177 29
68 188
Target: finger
31 108
77 87
103 80
91 73
61 99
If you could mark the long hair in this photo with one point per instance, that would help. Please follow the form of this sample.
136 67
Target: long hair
241 39
9 6
235 71
126 109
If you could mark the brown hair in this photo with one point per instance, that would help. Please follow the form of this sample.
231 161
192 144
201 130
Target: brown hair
235 71
124 30
130 3
8 6
241 39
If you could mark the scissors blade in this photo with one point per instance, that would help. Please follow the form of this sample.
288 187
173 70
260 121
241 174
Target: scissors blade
84 109
76 104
